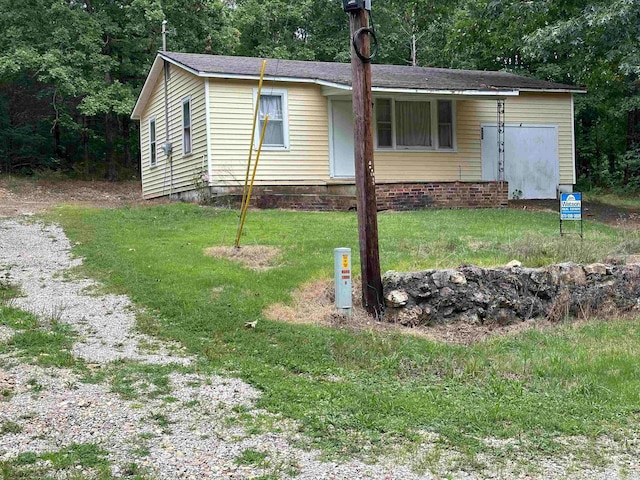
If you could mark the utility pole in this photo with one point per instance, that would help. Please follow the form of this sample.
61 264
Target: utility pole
363 142
414 54
164 35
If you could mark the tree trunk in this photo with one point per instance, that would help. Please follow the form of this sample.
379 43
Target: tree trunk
85 145
56 128
612 162
633 129
110 127
56 140
126 135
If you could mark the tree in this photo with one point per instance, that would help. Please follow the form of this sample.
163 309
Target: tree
91 57
304 30
598 47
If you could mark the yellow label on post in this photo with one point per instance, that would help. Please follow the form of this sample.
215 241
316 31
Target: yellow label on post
345 261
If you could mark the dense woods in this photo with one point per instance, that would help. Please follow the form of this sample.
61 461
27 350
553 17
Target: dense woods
71 70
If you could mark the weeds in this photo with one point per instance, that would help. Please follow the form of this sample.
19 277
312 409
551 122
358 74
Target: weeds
9 427
537 250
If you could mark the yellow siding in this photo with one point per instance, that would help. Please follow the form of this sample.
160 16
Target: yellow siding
307 160
466 164
156 181
231 113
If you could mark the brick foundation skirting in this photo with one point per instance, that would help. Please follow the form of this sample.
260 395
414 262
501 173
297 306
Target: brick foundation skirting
389 196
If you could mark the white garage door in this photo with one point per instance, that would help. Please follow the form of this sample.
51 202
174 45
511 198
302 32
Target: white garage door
531 159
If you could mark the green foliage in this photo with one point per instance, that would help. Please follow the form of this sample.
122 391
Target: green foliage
70 72
86 63
304 30
597 46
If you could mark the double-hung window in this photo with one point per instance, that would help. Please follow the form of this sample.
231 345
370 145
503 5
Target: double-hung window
152 142
445 124
186 126
274 104
414 124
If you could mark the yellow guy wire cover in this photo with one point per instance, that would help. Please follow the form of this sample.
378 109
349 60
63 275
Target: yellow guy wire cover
253 131
245 206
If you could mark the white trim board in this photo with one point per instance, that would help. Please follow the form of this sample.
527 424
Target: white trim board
573 141
207 123
330 131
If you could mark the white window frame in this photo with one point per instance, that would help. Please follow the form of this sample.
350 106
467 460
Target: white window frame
186 100
153 152
283 94
435 147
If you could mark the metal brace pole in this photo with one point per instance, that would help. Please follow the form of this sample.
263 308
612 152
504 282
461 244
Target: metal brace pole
501 128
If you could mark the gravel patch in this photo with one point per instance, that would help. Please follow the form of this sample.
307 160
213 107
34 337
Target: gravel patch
6 334
38 255
194 428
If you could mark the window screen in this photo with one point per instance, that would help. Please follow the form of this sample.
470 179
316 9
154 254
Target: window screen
445 124
383 122
186 126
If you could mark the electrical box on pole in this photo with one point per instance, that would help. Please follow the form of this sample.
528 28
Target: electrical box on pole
361 57
355 5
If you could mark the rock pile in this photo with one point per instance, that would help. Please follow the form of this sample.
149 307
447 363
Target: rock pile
513 293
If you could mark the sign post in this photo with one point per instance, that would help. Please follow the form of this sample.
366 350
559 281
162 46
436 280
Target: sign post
571 209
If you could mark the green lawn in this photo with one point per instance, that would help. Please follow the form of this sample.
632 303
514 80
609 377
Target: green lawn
351 391
624 201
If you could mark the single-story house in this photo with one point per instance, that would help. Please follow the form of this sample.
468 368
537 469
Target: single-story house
442 137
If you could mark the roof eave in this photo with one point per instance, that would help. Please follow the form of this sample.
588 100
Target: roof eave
467 92
341 86
156 70
554 90
147 88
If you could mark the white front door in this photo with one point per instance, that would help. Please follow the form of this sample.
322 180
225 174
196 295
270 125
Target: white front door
531 159
342 157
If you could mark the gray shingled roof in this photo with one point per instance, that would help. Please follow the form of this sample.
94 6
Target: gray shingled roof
383 76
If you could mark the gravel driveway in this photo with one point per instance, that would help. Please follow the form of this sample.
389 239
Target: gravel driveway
190 425
192 430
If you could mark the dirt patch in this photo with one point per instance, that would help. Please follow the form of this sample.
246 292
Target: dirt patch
7 384
23 196
255 257
313 305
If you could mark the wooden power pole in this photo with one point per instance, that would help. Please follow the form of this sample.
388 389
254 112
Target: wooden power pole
365 177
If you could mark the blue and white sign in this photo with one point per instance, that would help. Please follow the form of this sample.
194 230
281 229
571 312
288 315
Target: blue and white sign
571 206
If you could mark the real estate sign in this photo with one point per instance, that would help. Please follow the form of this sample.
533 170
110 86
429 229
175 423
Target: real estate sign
571 206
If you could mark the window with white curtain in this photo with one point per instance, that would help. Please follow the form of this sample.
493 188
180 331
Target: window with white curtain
274 104
414 124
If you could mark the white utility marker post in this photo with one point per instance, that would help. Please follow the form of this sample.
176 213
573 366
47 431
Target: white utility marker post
342 266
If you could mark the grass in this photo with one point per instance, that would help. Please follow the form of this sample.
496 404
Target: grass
75 462
47 347
574 380
8 426
251 457
624 201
